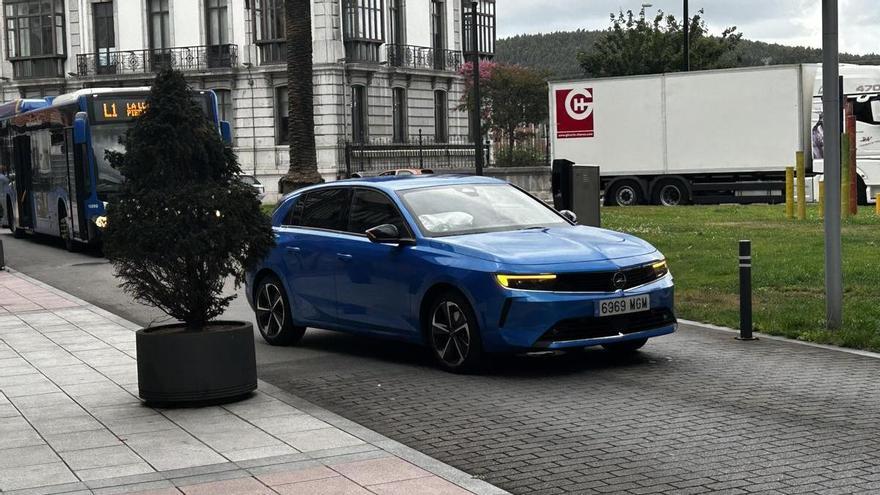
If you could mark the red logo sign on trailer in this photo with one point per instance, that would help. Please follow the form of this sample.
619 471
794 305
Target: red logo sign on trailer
574 113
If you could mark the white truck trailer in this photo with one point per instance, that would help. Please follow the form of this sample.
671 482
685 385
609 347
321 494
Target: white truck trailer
721 136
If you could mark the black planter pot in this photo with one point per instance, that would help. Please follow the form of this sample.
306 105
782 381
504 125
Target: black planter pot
178 367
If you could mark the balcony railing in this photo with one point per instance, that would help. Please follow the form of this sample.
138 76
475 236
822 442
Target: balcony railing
422 57
187 58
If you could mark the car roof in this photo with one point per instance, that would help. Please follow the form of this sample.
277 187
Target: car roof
404 182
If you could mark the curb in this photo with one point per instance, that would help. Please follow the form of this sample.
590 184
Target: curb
408 454
709 326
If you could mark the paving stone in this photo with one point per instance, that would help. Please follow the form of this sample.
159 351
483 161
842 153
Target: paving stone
313 440
326 486
116 455
82 440
172 449
29 476
239 486
377 471
27 456
287 476
423 486
102 472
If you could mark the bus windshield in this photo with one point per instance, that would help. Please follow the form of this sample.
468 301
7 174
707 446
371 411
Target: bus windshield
107 137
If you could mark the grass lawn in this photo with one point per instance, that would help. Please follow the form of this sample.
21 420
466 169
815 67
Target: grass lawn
701 244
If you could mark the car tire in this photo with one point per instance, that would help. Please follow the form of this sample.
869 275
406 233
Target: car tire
274 315
625 347
453 334
626 193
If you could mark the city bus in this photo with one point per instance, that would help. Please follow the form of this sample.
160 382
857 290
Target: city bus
59 179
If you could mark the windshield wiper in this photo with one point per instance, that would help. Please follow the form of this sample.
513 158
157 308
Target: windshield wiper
536 227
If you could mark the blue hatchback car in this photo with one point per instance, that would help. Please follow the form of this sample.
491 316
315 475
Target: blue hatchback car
463 265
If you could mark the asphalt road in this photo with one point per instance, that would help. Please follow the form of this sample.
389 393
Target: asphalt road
695 412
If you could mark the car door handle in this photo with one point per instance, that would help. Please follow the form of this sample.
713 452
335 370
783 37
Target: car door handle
293 249
343 256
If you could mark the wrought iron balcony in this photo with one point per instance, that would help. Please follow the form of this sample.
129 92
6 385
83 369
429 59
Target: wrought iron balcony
422 57
187 58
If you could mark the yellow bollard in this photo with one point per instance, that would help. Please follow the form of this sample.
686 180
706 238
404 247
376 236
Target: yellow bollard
822 199
789 192
878 205
801 187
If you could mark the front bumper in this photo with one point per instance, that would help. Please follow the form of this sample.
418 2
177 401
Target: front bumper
534 320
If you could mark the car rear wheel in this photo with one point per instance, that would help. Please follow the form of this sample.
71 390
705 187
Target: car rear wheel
625 347
274 318
453 334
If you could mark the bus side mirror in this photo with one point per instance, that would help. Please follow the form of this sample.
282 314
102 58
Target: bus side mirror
80 128
226 132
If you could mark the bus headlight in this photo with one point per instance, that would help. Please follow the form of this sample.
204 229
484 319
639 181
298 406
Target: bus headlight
101 222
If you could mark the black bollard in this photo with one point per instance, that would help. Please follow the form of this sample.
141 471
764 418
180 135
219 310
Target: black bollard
745 291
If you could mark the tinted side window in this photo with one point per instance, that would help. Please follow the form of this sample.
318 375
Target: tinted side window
324 209
370 209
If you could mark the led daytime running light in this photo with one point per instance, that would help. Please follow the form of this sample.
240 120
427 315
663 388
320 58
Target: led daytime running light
505 280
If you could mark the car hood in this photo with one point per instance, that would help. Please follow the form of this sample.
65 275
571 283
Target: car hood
556 245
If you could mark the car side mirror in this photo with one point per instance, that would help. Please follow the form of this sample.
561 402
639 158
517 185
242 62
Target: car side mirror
386 234
569 215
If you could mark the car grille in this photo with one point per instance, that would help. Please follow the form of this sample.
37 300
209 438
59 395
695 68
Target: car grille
604 281
606 326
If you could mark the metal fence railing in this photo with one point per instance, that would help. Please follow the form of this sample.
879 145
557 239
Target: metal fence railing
419 152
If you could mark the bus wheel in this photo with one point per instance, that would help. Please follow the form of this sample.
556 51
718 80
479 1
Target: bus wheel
17 233
65 231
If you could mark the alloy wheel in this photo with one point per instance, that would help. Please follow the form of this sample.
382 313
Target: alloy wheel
450 333
270 310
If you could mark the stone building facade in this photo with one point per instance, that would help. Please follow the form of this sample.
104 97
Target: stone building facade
384 70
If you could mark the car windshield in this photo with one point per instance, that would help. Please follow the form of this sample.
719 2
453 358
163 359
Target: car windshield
476 208
106 137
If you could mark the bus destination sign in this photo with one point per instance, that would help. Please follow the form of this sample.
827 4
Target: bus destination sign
120 109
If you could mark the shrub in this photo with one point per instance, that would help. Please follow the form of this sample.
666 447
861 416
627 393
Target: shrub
183 223
519 157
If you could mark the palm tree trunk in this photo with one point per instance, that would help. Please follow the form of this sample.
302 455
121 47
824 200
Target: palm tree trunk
303 169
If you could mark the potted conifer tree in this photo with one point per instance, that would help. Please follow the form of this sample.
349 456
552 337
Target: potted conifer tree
183 225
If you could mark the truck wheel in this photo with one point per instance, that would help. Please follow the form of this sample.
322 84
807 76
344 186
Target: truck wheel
626 193
670 193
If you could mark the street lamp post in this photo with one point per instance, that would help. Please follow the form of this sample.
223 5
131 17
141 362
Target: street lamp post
248 66
476 117
831 109
686 59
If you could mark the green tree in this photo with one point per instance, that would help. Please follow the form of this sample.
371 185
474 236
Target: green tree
303 170
513 97
184 222
635 44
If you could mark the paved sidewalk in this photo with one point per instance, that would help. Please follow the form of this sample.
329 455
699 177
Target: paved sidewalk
71 422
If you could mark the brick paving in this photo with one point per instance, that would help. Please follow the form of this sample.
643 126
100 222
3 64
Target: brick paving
71 422
696 412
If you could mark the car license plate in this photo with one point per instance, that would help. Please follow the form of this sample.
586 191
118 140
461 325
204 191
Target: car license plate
624 305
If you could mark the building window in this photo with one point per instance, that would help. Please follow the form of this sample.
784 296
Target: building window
398 114
105 37
224 104
271 38
35 40
217 22
441 117
160 24
282 119
359 114
438 23
364 28
217 27
485 27
397 22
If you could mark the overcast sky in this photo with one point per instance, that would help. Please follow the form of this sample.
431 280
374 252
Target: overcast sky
793 22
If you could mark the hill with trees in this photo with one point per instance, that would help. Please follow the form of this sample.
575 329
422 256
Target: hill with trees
557 53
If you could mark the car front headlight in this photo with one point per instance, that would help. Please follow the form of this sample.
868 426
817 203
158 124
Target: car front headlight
544 281
660 268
